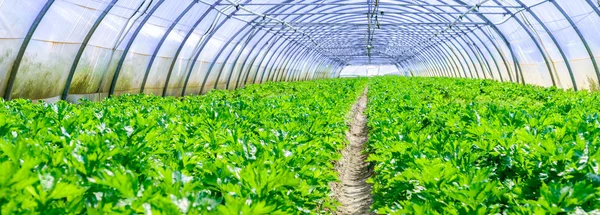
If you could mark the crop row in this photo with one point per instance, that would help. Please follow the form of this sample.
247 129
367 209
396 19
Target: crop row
438 146
265 149
457 146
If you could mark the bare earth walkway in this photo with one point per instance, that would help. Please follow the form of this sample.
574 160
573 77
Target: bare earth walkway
353 191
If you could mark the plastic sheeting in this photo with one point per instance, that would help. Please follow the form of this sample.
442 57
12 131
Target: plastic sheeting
150 46
68 49
547 43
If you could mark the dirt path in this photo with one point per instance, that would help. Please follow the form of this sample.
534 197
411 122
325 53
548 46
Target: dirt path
353 191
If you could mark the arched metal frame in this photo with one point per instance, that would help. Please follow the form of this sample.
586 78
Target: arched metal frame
15 67
419 37
115 78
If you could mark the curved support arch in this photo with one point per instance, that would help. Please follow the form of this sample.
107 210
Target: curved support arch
185 39
280 61
503 37
161 42
84 44
581 37
538 46
218 55
453 44
252 49
269 65
208 73
466 52
437 57
465 33
297 65
289 66
554 40
17 63
200 49
115 77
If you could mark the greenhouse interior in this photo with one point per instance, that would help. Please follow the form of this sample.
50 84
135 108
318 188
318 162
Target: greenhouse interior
299 107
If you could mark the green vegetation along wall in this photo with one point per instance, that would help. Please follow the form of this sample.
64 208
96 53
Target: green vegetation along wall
436 145
266 149
450 146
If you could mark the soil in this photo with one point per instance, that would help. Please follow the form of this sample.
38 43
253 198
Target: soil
353 192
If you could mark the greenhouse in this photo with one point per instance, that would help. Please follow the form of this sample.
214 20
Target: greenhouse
299 107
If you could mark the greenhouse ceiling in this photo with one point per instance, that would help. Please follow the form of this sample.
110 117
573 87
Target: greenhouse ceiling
69 49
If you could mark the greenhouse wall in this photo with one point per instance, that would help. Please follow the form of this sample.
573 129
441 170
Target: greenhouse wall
137 46
554 43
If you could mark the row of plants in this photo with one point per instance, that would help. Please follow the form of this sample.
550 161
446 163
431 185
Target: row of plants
265 149
458 146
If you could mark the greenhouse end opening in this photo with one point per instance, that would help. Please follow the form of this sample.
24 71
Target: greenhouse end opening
299 106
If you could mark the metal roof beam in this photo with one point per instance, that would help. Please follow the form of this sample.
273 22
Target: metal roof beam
361 14
298 24
320 3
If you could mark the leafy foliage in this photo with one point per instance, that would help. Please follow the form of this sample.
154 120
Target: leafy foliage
455 146
439 146
266 149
